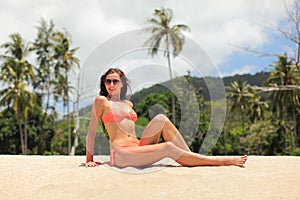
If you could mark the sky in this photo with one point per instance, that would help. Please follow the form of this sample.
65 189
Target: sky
106 34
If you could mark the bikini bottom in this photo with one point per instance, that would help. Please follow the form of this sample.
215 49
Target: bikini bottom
114 151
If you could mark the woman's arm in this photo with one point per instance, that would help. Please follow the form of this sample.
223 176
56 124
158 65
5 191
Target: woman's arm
97 110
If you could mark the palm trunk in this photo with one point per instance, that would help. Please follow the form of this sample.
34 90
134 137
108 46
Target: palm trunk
68 114
295 127
69 128
21 134
173 96
41 145
75 131
172 83
242 114
291 139
25 136
298 53
76 120
294 132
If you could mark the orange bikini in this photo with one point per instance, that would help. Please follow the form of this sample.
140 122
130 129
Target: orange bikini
110 117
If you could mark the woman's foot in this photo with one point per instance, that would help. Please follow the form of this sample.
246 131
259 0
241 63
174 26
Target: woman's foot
236 161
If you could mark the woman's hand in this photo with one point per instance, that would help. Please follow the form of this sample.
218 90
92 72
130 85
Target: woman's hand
92 164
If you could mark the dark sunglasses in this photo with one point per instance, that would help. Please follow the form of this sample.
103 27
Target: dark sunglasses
109 81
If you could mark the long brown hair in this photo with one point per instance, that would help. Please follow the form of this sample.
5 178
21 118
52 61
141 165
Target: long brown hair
123 78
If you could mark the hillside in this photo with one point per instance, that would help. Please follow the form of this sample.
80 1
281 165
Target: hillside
257 79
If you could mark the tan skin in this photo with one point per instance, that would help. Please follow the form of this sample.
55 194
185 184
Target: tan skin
149 151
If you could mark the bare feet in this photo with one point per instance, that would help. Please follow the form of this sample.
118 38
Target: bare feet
236 161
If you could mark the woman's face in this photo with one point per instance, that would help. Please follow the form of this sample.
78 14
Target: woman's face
113 84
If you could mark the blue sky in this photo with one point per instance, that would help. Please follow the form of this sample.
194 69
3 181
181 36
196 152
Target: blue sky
258 62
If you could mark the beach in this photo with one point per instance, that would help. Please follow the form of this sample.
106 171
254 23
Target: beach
66 177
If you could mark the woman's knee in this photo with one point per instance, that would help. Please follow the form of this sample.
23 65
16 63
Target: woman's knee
171 146
161 118
173 150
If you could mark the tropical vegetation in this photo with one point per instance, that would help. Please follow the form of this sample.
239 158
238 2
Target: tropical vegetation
263 111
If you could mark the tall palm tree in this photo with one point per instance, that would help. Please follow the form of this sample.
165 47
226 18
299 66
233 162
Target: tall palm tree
66 61
285 102
240 95
56 60
43 47
171 35
16 72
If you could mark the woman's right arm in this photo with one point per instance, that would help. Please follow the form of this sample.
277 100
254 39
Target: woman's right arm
97 110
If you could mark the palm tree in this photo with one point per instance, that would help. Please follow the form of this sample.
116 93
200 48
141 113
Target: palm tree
66 61
285 102
43 46
16 72
258 107
56 60
240 95
161 29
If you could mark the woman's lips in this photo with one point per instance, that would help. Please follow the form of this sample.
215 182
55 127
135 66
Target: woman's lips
111 90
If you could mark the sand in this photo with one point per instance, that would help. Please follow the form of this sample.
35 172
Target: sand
64 177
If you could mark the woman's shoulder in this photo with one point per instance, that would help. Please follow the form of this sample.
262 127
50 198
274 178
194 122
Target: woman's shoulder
101 100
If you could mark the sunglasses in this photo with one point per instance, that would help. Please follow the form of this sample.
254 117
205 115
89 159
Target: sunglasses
109 81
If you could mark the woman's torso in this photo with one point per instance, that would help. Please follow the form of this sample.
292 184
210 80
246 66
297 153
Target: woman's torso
120 124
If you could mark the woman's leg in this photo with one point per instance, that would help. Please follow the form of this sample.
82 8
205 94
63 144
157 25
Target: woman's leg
161 125
149 154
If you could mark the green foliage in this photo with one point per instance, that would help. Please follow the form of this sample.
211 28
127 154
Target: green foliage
292 152
9 137
197 140
286 103
152 105
261 139
29 90
257 79
59 143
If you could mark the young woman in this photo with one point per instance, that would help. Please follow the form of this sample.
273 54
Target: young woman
119 118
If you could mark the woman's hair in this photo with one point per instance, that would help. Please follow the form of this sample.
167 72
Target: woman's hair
123 78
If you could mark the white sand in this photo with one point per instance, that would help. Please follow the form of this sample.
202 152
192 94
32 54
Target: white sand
63 177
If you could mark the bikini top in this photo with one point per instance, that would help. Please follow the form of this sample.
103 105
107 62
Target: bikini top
112 117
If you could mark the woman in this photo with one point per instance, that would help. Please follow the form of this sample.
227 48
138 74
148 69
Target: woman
119 118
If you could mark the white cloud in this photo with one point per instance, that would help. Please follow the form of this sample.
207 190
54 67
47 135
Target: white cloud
248 69
221 23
